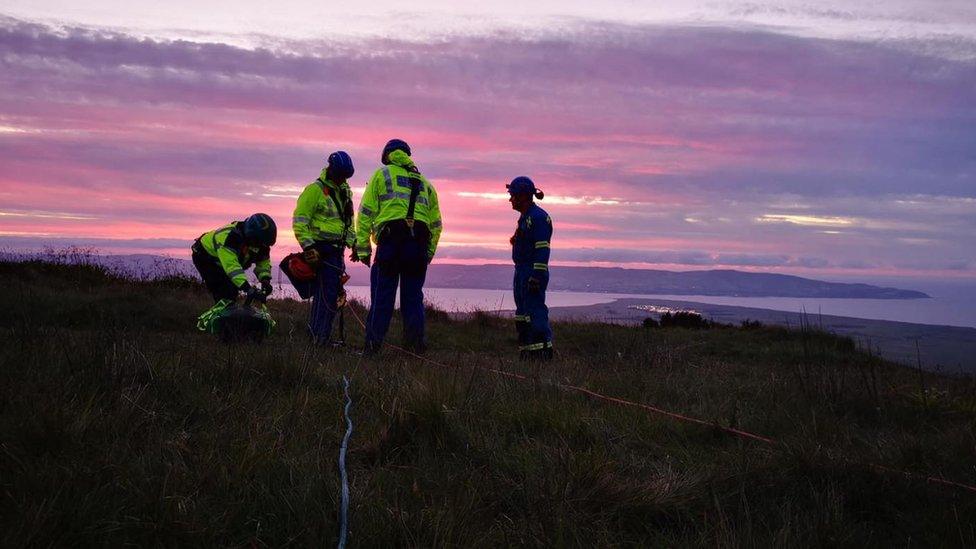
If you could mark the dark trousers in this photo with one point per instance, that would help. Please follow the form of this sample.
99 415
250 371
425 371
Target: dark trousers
217 281
325 292
400 259
531 313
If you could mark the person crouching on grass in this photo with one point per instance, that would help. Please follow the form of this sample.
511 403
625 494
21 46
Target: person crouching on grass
222 255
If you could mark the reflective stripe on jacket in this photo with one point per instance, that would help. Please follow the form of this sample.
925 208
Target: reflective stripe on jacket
387 198
318 219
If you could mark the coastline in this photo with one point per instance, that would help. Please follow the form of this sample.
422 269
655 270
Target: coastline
945 349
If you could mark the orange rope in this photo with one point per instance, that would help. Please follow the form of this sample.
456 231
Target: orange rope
660 411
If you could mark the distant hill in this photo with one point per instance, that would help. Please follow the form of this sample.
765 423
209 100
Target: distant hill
648 281
586 279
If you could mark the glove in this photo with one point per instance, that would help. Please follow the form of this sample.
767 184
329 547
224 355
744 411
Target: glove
312 256
250 292
533 284
266 287
352 254
255 294
366 258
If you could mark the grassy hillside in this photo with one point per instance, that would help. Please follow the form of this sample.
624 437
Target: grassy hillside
119 423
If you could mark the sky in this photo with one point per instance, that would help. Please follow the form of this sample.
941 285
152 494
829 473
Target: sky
806 138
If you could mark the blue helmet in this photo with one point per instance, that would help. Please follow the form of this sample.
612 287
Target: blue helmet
521 184
393 145
340 165
261 229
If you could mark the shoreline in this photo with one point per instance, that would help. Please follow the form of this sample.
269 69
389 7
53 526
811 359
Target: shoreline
946 349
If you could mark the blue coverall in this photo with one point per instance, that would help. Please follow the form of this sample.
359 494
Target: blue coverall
530 252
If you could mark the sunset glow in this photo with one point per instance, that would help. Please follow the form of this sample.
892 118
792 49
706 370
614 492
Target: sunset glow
778 141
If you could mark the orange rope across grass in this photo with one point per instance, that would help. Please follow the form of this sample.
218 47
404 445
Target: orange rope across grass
673 415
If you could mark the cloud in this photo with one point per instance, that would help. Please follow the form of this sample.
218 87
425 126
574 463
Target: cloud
812 220
645 137
106 244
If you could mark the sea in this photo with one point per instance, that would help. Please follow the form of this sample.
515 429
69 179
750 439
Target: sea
951 304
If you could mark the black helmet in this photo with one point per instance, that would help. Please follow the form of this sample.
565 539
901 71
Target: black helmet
524 185
340 165
394 145
260 228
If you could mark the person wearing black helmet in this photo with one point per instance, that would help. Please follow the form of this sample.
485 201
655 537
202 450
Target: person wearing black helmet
222 255
530 252
400 212
322 224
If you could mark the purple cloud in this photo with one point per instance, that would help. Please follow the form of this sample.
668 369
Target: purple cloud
696 132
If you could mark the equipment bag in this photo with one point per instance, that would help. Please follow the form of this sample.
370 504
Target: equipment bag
243 323
236 323
299 273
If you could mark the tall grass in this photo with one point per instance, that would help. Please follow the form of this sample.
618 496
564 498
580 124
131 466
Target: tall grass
119 424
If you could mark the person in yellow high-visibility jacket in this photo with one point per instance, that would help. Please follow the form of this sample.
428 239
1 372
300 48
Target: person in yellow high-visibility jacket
222 255
400 212
322 223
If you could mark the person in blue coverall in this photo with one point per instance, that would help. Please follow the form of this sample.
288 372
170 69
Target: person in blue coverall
530 252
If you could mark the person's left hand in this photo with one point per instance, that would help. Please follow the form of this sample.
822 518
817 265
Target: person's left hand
534 285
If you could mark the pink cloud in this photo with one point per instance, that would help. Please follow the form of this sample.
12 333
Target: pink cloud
653 126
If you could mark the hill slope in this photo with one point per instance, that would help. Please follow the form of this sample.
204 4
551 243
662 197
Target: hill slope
120 424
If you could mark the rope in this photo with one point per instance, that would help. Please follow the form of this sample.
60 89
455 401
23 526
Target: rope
344 505
594 394
933 480
673 415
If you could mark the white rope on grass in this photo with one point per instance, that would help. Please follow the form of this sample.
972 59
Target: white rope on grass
344 505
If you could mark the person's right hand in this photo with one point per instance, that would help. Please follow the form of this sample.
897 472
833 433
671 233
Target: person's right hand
312 256
255 294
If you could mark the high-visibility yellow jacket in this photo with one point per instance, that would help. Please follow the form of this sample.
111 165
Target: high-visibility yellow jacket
227 246
324 214
387 198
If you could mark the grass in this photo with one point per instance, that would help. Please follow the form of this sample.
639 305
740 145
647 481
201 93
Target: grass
120 424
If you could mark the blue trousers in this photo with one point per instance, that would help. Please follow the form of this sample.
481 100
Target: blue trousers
403 261
531 313
325 292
